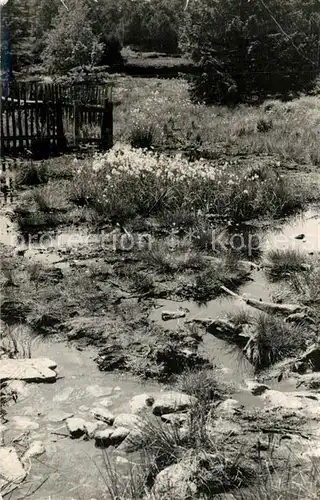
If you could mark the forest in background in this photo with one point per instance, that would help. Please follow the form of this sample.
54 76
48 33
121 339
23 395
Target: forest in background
265 47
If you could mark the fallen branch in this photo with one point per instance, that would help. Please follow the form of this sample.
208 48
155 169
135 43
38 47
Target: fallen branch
267 307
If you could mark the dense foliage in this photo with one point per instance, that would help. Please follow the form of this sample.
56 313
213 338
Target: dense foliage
243 48
252 47
46 31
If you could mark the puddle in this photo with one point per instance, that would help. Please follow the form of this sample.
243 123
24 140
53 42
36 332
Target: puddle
307 224
72 469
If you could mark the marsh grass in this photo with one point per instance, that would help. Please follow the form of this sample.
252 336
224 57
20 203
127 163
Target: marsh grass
172 257
142 136
283 263
287 130
275 340
202 384
227 271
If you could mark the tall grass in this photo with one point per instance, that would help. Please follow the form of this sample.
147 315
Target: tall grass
274 340
283 263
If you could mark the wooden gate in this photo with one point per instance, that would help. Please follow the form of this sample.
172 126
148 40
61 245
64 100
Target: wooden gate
44 119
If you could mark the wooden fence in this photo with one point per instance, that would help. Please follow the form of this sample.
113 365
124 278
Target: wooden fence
48 118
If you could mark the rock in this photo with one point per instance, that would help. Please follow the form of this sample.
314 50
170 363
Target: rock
174 418
168 315
256 388
76 427
119 435
172 401
133 442
28 369
311 358
310 381
11 468
300 236
176 481
223 426
106 402
112 357
118 389
64 395
58 416
103 414
98 392
92 427
128 420
35 449
306 402
141 403
25 423
102 437
122 460
228 407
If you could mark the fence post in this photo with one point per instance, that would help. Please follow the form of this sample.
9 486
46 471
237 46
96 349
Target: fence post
107 125
61 139
76 126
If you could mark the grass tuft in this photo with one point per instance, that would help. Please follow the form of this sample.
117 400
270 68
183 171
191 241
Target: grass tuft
283 263
274 341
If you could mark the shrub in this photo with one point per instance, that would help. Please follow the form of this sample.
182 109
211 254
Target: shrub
71 42
233 42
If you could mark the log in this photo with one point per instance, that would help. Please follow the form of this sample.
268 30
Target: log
267 307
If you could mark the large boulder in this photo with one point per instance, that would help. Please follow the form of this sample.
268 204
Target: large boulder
172 401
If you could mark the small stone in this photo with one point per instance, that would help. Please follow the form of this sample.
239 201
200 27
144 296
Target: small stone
58 416
35 449
83 408
98 391
141 403
228 407
168 315
92 427
102 437
117 388
172 401
174 418
76 427
300 236
103 414
133 442
63 395
122 460
25 423
256 388
128 420
106 402
11 469
119 435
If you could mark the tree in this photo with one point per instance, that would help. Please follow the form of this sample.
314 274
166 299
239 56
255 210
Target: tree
71 42
257 47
